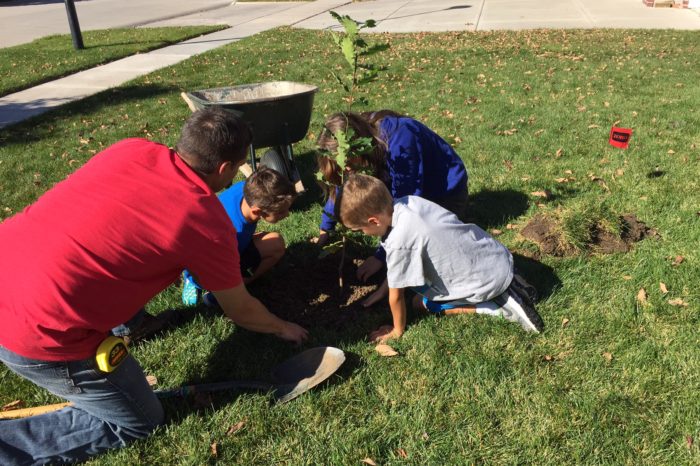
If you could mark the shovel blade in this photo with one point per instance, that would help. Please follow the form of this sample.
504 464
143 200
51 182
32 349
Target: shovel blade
305 370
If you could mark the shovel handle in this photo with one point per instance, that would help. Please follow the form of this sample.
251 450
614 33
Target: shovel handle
26 412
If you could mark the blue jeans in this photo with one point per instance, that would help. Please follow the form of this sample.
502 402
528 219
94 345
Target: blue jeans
109 410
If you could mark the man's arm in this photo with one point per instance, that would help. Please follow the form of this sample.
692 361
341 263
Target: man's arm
246 311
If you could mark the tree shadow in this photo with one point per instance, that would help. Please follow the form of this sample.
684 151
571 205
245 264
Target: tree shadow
45 114
489 209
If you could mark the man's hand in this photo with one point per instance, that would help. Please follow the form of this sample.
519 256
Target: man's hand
369 267
248 312
384 333
293 332
322 239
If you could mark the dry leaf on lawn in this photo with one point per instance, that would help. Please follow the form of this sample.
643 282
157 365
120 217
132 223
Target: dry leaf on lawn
235 428
642 296
215 449
13 405
545 194
608 356
152 380
402 453
565 322
677 260
369 461
627 277
677 302
385 350
496 232
662 287
558 153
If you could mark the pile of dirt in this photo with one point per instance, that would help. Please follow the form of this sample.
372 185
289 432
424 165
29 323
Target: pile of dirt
309 293
546 233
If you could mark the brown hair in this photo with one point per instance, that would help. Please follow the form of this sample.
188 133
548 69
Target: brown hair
212 136
374 160
268 190
362 197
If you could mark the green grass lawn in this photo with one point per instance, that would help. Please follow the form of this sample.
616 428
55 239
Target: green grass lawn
52 57
612 380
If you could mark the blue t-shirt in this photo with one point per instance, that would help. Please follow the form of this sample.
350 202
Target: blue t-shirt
231 199
419 163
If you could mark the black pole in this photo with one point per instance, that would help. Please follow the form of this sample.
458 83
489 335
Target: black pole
74 26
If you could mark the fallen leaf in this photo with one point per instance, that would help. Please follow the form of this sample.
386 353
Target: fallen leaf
402 453
677 302
425 436
496 232
511 226
662 287
671 152
152 380
593 126
608 356
561 180
677 260
619 172
689 441
235 428
548 358
385 350
558 153
568 172
369 461
565 322
627 277
13 405
215 449
642 297
545 194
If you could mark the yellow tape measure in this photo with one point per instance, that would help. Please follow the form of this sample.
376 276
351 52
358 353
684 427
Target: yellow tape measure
111 352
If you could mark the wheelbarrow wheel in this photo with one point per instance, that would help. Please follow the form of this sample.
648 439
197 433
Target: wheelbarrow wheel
274 159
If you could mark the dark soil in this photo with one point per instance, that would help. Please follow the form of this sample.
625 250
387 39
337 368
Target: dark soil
543 231
309 293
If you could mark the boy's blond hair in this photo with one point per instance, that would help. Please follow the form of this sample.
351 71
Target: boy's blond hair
269 190
362 197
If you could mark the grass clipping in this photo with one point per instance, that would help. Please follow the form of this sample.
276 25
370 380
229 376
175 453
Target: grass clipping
585 228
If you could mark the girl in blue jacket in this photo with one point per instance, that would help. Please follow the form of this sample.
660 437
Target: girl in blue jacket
408 156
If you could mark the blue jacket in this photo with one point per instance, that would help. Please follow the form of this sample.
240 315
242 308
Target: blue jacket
419 163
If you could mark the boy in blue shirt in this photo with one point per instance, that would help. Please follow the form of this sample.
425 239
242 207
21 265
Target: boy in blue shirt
457 268
265 195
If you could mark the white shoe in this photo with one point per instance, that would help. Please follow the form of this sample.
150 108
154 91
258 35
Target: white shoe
516 309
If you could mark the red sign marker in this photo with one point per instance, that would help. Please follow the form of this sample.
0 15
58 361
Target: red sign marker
620 137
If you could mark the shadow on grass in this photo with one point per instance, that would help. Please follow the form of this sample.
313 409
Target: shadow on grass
539 275
490 209
49 113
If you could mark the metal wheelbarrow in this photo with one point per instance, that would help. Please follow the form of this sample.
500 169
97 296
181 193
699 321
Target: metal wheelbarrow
279 113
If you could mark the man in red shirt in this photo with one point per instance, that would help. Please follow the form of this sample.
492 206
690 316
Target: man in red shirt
89 254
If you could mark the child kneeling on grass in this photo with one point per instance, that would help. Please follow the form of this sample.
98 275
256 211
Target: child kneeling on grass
457 268
265 195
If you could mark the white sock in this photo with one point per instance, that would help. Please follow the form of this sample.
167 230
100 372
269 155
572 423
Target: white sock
489 308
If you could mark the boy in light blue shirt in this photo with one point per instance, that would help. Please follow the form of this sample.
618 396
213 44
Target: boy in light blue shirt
455 268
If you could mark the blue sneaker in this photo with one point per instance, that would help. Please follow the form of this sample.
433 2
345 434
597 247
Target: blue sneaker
190 292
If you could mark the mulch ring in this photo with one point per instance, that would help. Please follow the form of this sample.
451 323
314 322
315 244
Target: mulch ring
543 231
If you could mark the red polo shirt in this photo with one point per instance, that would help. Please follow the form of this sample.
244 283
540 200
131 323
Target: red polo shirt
93 250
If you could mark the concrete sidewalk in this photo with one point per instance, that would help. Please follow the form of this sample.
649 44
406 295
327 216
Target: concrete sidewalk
247 19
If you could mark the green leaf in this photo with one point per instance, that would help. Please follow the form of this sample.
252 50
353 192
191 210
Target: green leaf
348 49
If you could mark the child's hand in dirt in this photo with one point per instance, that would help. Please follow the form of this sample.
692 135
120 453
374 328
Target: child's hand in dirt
384 333
369 267
378 295
322 238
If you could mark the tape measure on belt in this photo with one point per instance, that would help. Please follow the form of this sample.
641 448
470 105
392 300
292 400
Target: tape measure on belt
111 352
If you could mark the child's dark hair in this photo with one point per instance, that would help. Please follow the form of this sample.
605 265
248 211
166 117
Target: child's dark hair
212 136
362 197
268 190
